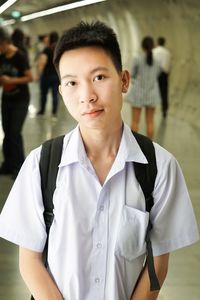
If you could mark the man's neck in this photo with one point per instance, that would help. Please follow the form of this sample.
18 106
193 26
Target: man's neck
102 147
102 143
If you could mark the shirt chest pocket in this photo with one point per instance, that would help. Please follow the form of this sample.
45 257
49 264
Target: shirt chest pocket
131 234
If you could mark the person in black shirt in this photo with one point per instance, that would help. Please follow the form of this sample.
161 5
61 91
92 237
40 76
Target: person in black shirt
15 73
48 76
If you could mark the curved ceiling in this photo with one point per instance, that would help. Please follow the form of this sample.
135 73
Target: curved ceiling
177 20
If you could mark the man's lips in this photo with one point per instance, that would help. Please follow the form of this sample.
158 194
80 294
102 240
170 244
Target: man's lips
92 112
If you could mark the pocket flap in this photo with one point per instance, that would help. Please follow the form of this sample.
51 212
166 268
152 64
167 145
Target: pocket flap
132 231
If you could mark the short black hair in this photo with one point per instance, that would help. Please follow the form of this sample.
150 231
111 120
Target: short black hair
53 37
17 36
4 36
88 35
161 41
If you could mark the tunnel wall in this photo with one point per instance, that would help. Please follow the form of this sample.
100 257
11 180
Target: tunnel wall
177 20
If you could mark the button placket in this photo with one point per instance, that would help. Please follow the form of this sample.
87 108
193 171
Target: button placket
99 245
101 208
97 280
100 248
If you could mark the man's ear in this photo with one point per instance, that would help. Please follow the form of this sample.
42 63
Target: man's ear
125 81
60 89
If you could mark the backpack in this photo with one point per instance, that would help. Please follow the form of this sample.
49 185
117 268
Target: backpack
145 173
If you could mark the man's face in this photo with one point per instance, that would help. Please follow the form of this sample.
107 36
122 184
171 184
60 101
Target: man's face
92 88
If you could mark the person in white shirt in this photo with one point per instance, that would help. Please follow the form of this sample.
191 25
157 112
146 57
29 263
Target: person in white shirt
163 55
97 239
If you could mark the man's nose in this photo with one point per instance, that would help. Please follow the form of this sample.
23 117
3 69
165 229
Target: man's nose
88 94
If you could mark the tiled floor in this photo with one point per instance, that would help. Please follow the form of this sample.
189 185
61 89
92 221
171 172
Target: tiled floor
183 140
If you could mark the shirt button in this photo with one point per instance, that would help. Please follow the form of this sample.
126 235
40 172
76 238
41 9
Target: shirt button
101 208
99 245
97 280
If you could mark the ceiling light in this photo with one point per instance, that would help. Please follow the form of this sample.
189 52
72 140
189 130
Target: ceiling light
58 9
8 22
16 14
6 5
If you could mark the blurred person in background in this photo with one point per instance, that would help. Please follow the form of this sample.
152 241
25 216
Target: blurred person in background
48 76
163 55
144 91
19 40
41 44
15 74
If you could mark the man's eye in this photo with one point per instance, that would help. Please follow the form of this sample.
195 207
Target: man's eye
99 77
70 83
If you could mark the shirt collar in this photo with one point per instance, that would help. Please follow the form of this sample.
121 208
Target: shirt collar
73 148
129 147
74 151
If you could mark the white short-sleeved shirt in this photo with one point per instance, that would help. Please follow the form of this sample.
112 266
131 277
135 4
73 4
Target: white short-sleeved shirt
163 56
97 239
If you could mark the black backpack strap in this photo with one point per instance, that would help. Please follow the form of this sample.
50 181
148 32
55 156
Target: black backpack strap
146 176
49 160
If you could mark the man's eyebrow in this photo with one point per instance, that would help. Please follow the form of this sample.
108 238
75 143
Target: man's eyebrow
68 76
97 69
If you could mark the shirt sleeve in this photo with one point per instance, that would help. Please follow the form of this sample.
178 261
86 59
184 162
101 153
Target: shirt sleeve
21 220
172 216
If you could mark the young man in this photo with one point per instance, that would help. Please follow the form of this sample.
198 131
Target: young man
15 74
97 239
163 55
